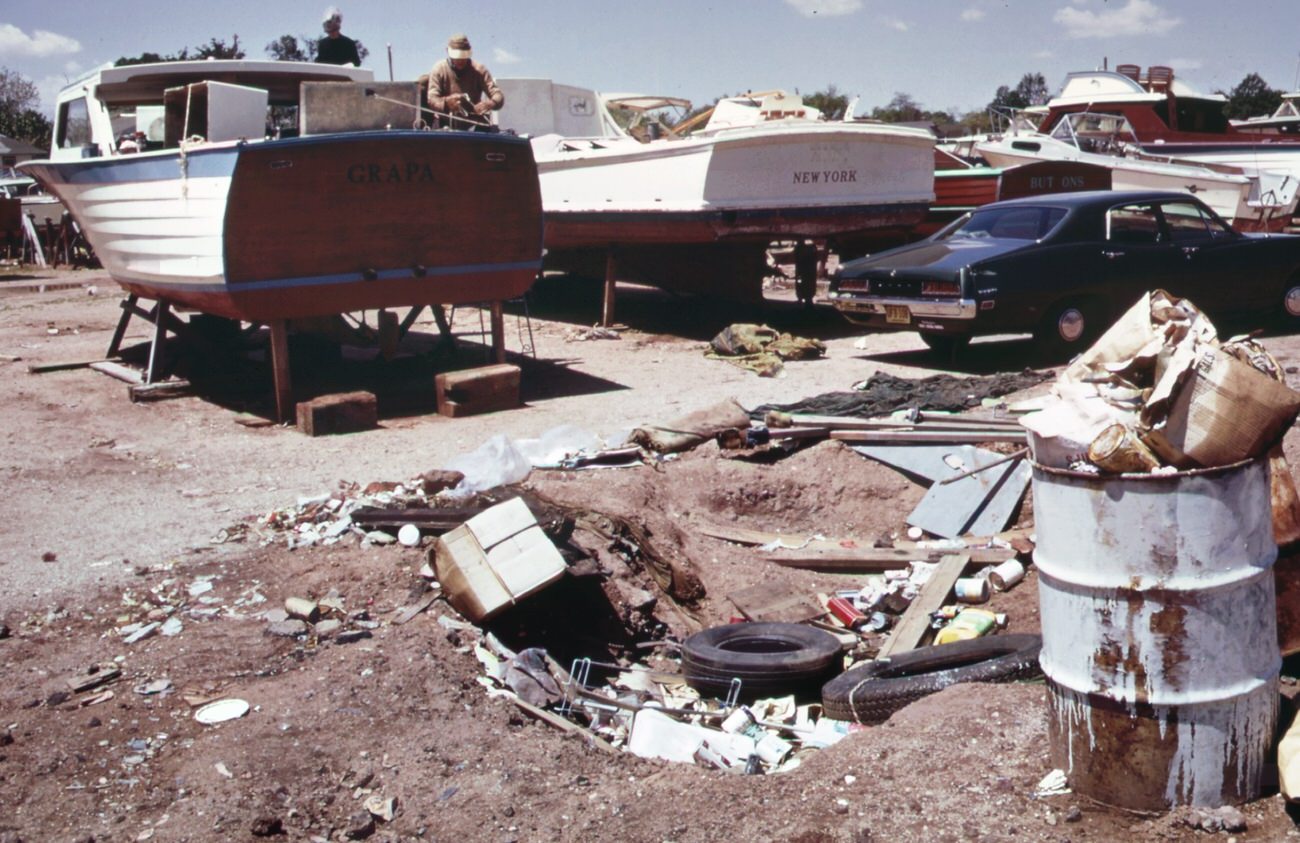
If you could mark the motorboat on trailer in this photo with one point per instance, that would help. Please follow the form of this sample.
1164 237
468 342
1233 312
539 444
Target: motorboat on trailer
764 168
268 190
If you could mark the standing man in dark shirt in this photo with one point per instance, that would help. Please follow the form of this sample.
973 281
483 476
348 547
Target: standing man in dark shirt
335 47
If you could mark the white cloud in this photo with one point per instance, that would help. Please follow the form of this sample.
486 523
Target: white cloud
972 14
825 8
1043 54
895 23
15 42
500 56
1136 17
1185 64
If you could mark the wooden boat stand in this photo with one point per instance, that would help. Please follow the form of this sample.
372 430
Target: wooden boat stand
163 320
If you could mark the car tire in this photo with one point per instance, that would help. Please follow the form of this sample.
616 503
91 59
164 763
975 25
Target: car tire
945 346
872 692
769 659
1069 327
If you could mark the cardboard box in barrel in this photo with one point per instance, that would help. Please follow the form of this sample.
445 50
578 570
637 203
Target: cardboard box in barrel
1225 411
495 559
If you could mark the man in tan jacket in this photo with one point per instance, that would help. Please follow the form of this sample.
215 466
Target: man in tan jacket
463 89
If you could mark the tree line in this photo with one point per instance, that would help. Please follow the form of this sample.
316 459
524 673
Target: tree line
20 117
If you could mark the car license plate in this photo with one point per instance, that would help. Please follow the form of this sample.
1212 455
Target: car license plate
897 314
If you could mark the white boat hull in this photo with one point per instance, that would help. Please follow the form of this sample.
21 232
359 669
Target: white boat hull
762 182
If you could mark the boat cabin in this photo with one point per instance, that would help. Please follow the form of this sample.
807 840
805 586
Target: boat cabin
145 107
1156 103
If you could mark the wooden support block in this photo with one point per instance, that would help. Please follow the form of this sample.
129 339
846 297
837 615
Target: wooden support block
482 390
346 412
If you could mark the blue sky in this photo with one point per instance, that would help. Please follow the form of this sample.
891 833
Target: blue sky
946 54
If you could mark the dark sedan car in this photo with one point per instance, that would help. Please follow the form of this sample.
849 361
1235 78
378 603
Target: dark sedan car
1065 266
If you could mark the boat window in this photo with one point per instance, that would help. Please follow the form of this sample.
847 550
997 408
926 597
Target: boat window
74 124
1188 222
1133 224
1201 116
1028 146
1026 222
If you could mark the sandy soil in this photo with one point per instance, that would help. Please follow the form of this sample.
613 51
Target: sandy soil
111 509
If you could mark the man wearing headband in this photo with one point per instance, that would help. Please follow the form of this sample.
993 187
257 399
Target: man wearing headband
463 89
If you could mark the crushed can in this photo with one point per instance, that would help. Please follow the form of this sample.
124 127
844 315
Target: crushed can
969 623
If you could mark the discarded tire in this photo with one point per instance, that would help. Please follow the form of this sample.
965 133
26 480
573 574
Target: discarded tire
873 691
769 659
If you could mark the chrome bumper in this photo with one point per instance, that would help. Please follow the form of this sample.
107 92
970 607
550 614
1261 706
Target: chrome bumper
919 308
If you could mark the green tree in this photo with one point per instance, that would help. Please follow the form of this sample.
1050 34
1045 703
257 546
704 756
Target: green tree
902 108
1251 98
830 102
1030 90
217 48
289 48
302 48
19 117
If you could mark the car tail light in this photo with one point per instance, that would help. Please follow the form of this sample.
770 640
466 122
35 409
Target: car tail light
940 288
854 285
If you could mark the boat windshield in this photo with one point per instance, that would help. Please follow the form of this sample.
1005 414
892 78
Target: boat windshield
1020 222
1093 131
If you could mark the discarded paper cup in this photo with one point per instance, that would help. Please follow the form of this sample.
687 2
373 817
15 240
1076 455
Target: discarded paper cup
1006 575
1118 450
220 711
409 535
972 590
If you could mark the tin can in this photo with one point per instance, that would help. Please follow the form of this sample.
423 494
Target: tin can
1006 575
972 590
846 613
1117 449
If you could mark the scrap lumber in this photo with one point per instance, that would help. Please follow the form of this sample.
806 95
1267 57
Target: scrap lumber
156 391
803 541
947 437
929 423
563 725
485 389
430 520
61 366
915 622
117 370
869 560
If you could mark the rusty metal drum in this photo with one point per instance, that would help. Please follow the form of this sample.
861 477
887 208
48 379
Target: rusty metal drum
1159 632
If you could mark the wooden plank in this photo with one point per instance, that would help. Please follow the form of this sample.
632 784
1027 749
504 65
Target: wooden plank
283 385
803 541
952 437
611 286
160 390
60 366
915 622
563 725
498 332
877 559
776 602
117 370
930 422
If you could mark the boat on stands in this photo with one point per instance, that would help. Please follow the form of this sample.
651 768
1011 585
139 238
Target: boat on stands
36 203
700 209
268 190
1173 122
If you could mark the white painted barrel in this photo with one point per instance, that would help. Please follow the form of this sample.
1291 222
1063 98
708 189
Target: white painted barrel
1159 632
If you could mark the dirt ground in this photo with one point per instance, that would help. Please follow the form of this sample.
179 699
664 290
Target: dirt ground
114 512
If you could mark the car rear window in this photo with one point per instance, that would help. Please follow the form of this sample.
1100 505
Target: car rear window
1022 222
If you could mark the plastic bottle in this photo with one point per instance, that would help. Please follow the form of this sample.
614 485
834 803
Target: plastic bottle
969 623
